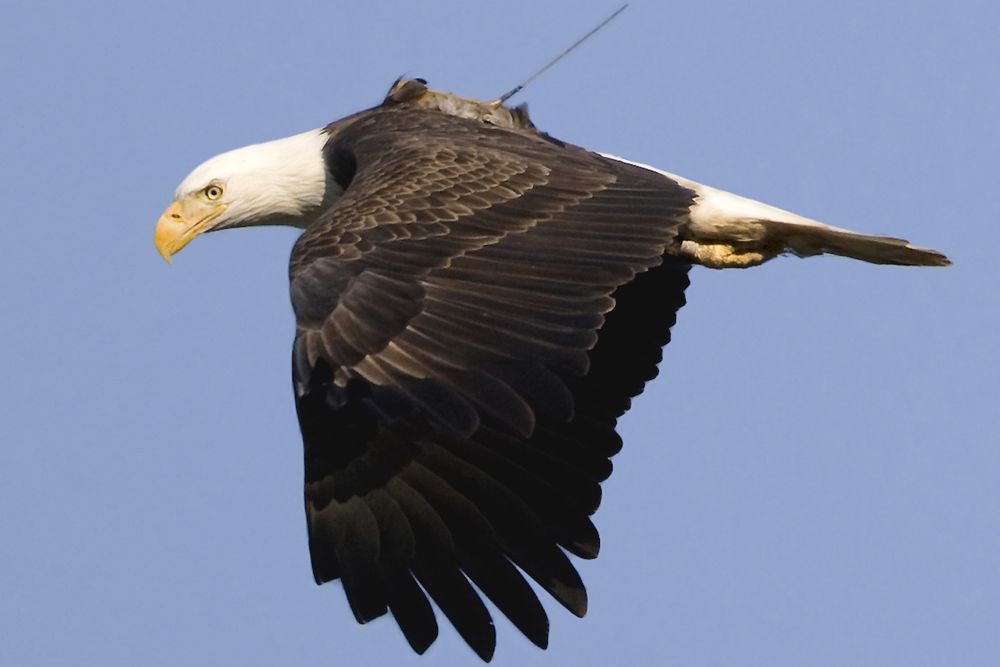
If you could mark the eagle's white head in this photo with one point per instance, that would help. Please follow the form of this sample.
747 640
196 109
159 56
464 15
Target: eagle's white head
281 182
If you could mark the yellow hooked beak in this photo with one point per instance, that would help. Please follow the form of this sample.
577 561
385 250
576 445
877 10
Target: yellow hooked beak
179 224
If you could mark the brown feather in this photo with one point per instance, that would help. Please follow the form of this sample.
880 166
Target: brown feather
474 314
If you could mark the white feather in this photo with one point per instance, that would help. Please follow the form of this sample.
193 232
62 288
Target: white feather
280 182
724 230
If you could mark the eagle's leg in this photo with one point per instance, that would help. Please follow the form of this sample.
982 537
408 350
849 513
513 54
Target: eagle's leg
726 255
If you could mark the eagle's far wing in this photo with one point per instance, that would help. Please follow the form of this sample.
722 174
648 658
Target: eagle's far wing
473 315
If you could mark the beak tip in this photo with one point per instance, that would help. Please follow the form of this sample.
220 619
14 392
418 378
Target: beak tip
164 249
165 235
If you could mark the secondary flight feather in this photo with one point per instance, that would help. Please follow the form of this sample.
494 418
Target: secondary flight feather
476 304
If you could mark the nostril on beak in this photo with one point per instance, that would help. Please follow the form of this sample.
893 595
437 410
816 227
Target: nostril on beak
175 216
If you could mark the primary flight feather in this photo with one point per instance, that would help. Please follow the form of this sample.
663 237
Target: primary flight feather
476 304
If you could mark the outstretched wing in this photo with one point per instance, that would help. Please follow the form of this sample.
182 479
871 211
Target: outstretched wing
473 315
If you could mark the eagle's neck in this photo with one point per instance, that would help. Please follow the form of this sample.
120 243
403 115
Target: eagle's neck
298 184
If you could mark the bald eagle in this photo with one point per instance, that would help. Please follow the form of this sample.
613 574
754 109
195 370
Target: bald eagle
476 304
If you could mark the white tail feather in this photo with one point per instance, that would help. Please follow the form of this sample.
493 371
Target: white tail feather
725 230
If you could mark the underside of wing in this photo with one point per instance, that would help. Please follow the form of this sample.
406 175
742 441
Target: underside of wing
474 315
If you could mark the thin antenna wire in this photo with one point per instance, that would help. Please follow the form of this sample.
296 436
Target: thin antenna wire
514 91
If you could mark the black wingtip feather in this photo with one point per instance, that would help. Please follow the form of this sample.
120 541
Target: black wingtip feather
412 611
458 601
495 576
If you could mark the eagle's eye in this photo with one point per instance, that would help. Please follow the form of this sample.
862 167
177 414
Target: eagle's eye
212 192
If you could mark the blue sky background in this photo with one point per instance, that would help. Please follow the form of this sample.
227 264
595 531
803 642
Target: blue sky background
813 480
